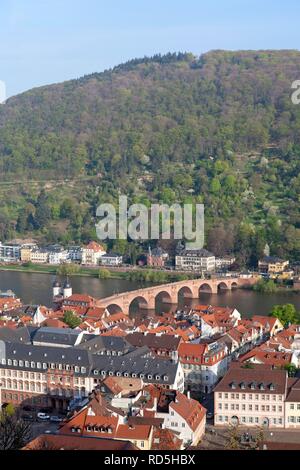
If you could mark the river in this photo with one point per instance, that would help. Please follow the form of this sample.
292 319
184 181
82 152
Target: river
36 288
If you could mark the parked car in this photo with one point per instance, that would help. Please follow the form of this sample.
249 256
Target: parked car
55 419
43 417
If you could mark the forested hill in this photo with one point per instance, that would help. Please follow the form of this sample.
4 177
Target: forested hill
220 128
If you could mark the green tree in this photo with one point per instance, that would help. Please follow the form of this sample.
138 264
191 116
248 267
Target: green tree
104 273
266 286
71 319
291 369
285 313
68 269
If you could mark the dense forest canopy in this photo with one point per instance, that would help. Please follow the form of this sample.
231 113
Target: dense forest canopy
220 129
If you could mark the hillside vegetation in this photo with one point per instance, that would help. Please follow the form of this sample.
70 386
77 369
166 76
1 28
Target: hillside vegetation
219 129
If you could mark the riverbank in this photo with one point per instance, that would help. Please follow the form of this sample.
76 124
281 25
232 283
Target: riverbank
122 273
46 269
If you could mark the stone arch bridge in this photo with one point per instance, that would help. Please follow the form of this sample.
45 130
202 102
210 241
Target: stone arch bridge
171 292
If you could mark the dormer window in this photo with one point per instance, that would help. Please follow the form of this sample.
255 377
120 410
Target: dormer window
261 386
272 387
233 385
243 385
252 386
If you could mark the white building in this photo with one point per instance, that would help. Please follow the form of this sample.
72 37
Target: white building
92 253
203 365
195 260
39 256
111 259
58 257
186 417
10 253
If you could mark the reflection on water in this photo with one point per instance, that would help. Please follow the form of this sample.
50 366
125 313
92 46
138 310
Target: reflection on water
37 289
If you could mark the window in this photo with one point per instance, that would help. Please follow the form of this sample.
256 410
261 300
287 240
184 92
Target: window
220 395
220 406
291 406
226 395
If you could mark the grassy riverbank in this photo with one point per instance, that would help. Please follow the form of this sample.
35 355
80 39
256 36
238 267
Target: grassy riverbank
46 269
130 274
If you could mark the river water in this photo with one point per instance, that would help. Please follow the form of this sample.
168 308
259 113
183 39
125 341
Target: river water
36 288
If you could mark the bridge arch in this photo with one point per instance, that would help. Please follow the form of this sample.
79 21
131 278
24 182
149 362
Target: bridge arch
234 285
114 308
222 286
163 296
138 302
205 287
185 292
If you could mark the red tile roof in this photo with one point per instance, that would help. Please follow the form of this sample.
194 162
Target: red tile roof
140 432
189 409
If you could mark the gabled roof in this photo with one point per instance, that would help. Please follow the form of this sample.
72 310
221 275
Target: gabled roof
189 409
94 246
140 432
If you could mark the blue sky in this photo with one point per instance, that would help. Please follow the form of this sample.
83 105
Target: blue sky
47 41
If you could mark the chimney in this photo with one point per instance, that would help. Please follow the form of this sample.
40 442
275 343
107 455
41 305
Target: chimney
188 395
